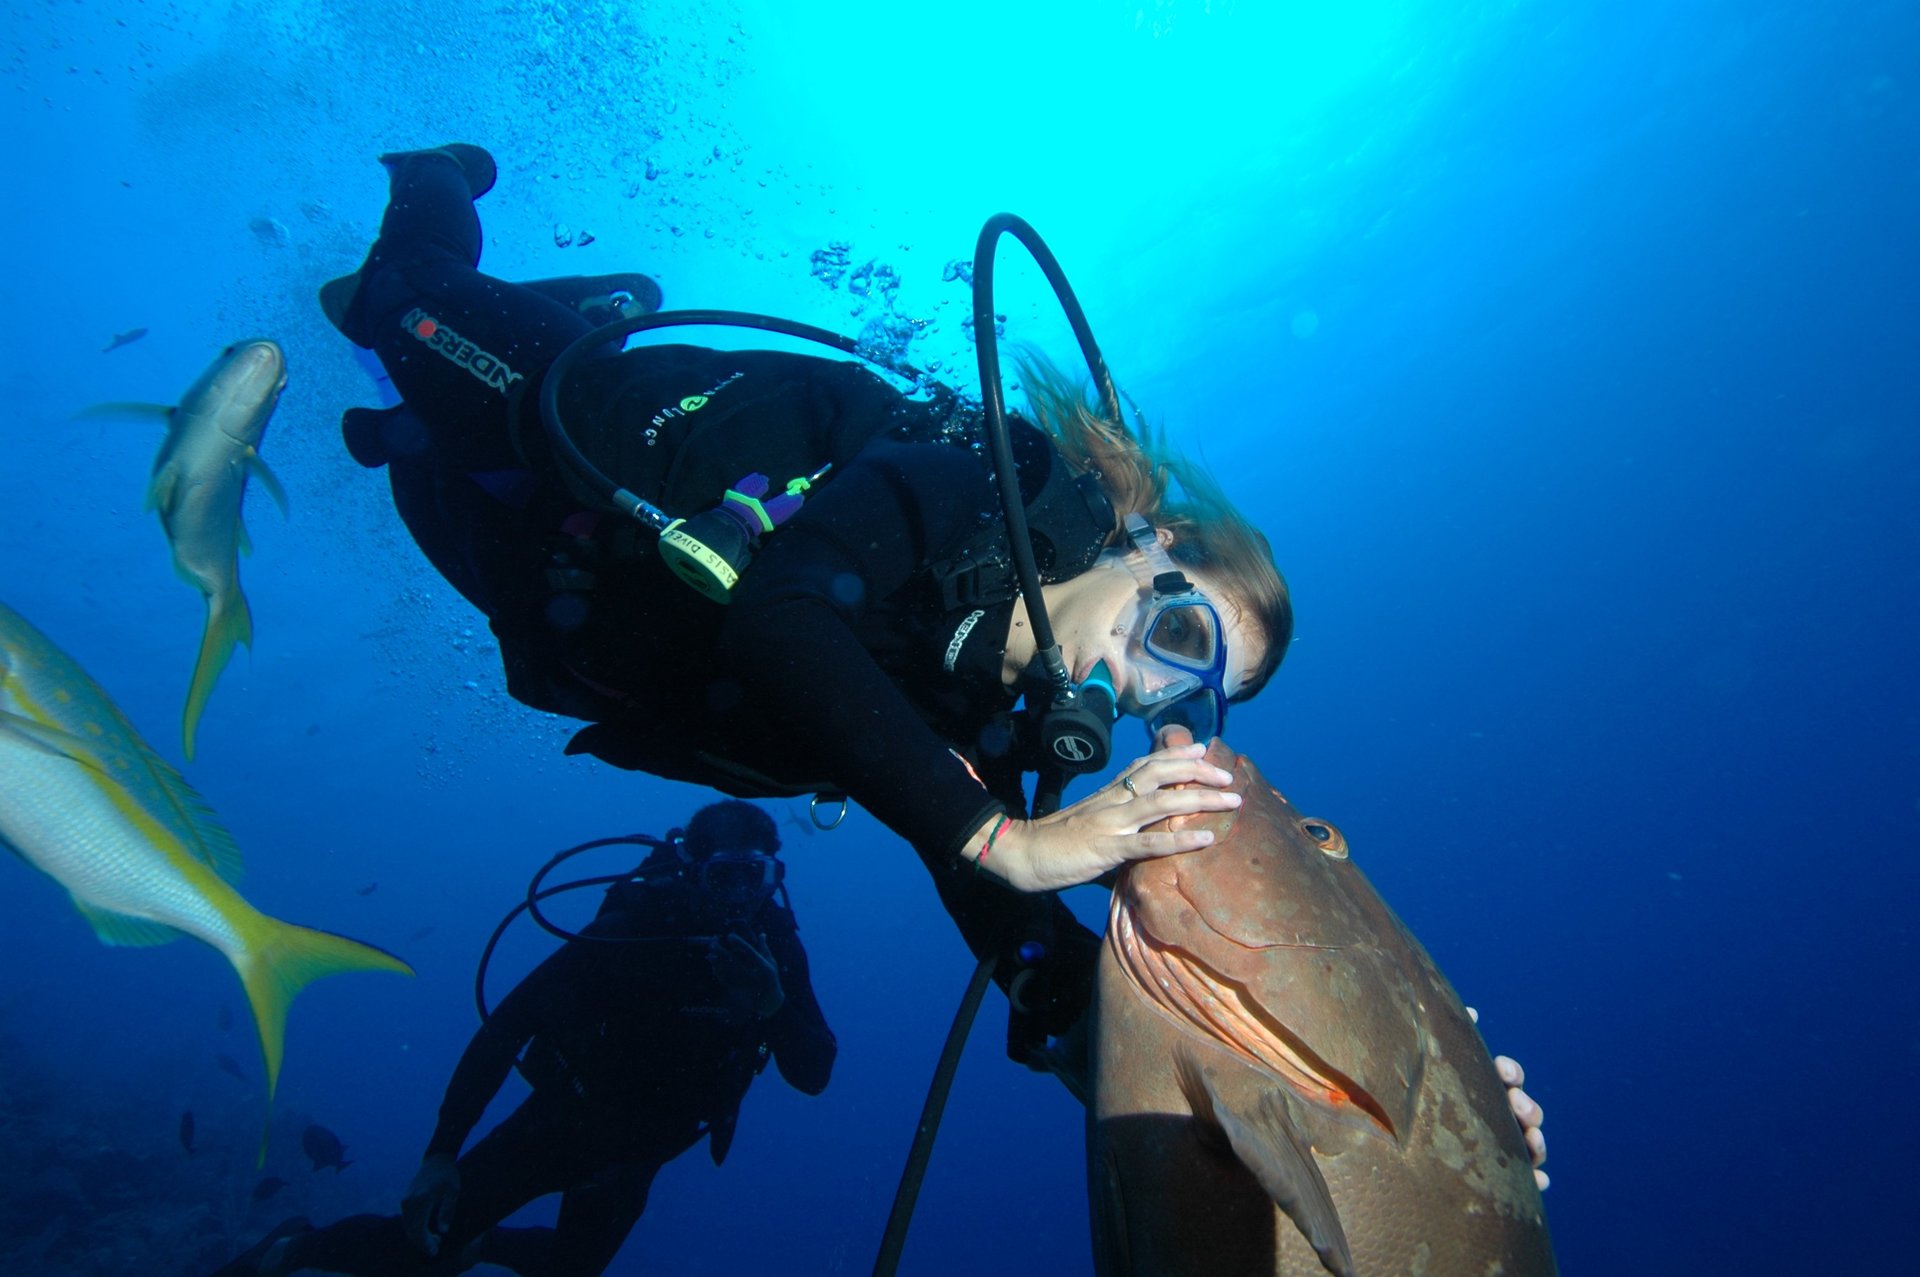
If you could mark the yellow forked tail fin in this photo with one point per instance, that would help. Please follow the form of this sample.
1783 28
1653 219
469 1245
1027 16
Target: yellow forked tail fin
280 960
229 621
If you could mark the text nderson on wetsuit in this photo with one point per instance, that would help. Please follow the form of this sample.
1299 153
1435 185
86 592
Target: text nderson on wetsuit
787 681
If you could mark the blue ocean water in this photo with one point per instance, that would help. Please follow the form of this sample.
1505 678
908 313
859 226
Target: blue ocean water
1565 351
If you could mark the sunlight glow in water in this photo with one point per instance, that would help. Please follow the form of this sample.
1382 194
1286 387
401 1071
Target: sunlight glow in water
1123 93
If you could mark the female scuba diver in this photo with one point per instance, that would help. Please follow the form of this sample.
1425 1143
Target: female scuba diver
877 646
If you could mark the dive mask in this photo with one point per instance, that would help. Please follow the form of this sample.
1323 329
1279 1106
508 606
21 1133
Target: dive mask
740 881
1178 650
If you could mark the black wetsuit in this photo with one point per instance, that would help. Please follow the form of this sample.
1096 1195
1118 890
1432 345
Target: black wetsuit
845 661
633 1061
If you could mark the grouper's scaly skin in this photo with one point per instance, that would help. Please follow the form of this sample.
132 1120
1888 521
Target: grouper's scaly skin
1276 1059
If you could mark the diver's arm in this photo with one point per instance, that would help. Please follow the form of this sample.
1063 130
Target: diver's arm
792 636
803 1045
548 992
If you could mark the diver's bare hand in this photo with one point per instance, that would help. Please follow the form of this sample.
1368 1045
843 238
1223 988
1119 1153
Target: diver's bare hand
1526 1109
1103 830
749 974
426 1212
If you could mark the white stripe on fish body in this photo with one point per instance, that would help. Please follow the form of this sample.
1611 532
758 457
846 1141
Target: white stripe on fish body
93 837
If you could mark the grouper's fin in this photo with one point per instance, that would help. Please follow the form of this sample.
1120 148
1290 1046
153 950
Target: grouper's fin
257 467
229 621
1269 1147
123 929
278 959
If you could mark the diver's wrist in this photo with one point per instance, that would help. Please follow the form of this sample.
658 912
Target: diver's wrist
998 849
980 845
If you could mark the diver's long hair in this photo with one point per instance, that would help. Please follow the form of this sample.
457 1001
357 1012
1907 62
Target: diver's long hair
1143 474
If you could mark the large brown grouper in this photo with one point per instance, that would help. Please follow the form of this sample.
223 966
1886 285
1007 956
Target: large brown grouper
1283 1081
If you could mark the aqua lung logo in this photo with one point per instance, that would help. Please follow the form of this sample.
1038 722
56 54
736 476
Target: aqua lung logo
691 404
1073 749
451 345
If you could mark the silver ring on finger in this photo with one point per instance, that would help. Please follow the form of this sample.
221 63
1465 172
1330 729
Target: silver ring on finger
1127 781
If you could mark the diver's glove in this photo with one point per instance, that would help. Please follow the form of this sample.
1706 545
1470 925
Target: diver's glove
748 974
426 1212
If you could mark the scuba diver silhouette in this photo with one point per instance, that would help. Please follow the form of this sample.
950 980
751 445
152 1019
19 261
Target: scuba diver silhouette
640 1037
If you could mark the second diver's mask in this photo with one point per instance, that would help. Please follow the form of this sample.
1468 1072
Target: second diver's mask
1178 651
739 882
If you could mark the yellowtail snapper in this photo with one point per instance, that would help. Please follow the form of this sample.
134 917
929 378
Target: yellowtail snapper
88 803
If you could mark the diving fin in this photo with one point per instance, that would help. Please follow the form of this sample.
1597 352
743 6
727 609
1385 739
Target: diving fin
336 301
376 436
250 1262
603 299
475 162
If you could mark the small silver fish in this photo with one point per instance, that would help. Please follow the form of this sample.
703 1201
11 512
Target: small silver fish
199 481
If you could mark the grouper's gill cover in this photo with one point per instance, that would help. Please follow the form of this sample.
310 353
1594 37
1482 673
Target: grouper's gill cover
1335 1015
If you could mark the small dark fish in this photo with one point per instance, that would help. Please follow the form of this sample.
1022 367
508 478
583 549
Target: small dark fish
226 1017
367 890
268 1187
421 934
126 338
325 1148
230 1066
186 1131
804 826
